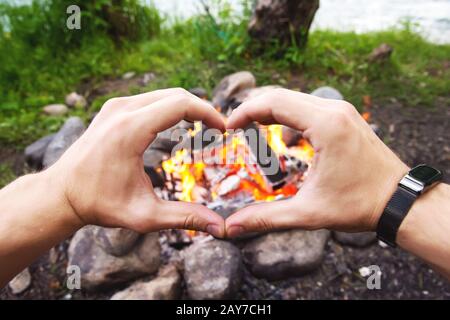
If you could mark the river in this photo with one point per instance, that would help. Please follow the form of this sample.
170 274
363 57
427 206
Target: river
431 18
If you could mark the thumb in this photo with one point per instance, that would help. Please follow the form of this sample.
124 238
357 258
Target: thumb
284 214
191 216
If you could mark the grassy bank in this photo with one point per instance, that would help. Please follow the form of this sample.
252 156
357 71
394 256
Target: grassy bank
198 52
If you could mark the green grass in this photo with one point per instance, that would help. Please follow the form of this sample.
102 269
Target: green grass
6 174
200 51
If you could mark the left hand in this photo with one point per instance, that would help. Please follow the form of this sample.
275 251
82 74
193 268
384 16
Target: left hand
102 174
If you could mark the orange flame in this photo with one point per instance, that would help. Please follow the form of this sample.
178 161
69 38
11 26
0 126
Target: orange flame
192 174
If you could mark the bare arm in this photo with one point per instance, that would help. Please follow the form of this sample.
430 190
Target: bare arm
353 176
100 180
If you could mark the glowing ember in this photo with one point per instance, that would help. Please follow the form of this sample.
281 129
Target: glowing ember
246 177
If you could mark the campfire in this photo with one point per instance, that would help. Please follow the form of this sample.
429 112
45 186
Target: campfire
229 173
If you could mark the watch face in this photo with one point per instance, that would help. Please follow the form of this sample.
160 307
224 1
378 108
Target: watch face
425 174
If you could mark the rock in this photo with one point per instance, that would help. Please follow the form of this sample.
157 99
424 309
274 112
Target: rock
72 129
166 286
199 92
152 165
381 53
286 21
115 241
75 100
21 282
247 94
231 85
147 78
290 136
164 140
377 130
212 270
128 75
55 109
327 93
34 153
357 239
154 157
280 255
100 270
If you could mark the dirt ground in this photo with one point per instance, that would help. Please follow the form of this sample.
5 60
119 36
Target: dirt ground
417 135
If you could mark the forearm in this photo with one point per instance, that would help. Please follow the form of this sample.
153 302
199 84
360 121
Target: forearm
425 231
34 217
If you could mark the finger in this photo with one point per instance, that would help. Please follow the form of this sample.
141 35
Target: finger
189 216
167 112
290 108
268 216
144 99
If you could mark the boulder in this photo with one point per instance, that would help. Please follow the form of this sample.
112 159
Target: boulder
199 92
290 136
164 142
72 129
381 53
231 85
356 239
21 282
284 254
115 241
328 93
34 153
101 270
75 100
55 109
166 286
212 270
286 21
128 75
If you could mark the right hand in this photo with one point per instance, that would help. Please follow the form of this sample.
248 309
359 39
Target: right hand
353 174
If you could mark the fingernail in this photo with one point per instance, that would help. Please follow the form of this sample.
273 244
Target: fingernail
234 231
214 230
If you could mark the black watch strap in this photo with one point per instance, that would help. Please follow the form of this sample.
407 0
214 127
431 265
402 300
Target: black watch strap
393 215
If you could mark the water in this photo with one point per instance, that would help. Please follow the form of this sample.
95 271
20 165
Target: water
431 18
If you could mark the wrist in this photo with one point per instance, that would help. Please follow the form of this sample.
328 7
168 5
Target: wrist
425 223
52 185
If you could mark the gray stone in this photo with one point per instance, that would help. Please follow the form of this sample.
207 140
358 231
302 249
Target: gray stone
166 286
100 270
21 282
284 254
34 153
199 92
231 85
154 157
356 239
381 53
115 241
327 93
251 93
55 109
128 75
212 270
75 100
72 129
164 140
147 78
291 136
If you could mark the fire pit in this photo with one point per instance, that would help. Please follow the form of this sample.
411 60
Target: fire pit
225 173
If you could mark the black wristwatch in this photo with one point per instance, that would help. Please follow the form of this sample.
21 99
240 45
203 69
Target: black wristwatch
412 185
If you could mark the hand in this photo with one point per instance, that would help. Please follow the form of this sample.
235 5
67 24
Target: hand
353 173
102 173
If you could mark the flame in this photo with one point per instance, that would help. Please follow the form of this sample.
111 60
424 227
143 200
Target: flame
192 174
366 116
275 138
